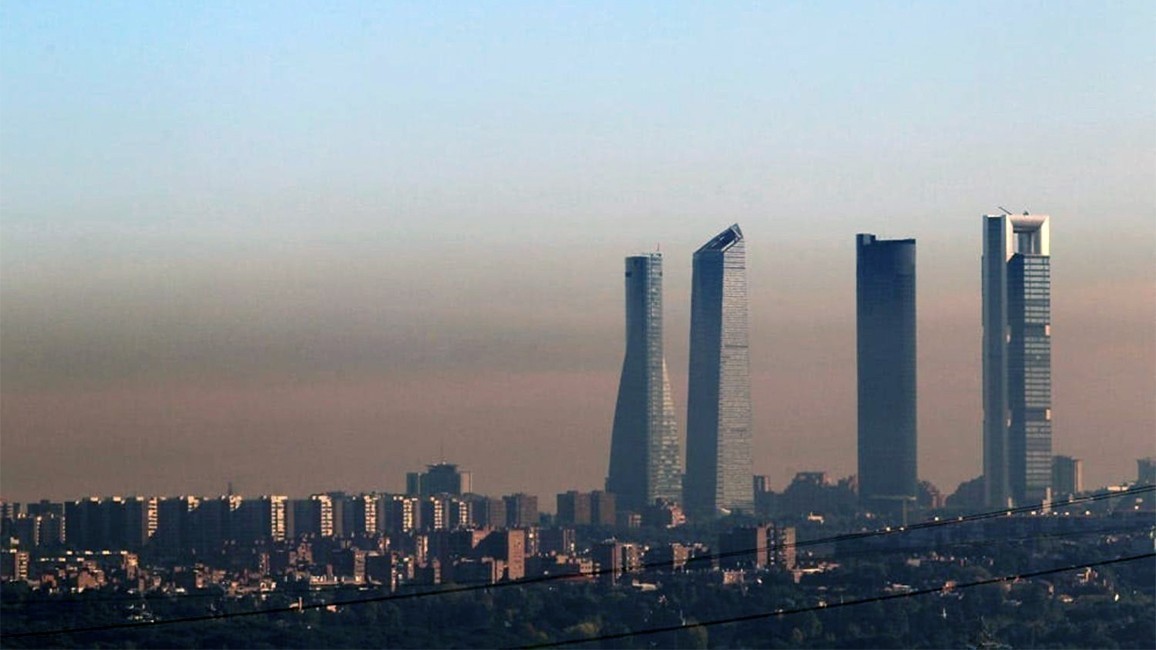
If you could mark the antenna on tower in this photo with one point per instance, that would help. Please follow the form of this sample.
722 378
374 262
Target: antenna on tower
1005 210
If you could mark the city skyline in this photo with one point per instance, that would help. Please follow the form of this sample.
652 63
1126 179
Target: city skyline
308 249
719 474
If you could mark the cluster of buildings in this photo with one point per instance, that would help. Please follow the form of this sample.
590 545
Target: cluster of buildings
439 529
433 533
645 458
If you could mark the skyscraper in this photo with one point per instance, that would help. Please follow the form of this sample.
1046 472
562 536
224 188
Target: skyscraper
645 462
1017 359
718 427
885 327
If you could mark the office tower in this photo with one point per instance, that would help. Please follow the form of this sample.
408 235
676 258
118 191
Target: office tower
1017 359
885 328
1067 475
439 478
718 430
645 460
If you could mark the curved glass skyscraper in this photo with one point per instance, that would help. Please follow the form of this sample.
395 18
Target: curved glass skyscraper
645 463
719 478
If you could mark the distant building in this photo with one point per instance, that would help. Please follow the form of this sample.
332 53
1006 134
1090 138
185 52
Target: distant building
434 513
663 514
744 547
557 540
616 558
363 514
509 546
14 565
1017 359
325 515
488 512
672 557
812 492
885 326
175 524
718 428
262 520
603 508
1146 470
1067 475
645 460
783 545
521 510
213 522
439 478
574 508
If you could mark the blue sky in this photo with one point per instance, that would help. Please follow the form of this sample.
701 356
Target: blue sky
223 194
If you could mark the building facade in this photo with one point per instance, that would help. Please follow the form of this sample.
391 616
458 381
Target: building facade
1067 475
885 335
645 460
1017 359
439 478
718 433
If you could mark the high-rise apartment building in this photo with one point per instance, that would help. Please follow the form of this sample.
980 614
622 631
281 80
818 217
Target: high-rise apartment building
1017 359
645 462
521 510
574 508
718 430
885 329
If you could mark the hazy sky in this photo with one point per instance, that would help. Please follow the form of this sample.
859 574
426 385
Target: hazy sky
309 246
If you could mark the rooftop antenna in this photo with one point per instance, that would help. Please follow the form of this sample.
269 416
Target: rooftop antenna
1005 210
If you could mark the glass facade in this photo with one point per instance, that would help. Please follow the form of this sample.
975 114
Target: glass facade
645 460
718 463
1030 377
885 334
1017 359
